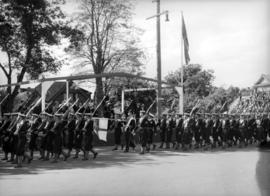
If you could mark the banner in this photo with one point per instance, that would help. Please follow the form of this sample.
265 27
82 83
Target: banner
44 89
181 99
101 128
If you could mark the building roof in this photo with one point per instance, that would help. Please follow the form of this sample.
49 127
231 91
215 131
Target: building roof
264 81
58 88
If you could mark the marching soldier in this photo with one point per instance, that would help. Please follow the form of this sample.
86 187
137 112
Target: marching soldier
207 130
41 139
78 134
199 125
57 142
5 135
118 124
169 130
33 131
87 144
163 127
21 130
215 133
151 132
69 133
143 126
178 131
49 136
129 131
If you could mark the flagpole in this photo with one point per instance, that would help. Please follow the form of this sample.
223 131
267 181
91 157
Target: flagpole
181 108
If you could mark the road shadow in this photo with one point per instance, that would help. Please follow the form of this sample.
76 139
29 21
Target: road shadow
106 158
263 169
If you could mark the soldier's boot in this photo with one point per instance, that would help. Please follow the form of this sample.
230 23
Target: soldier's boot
47 156
11 158
94 153
76 154
85 156
167 145
42 155
115 148
15 160
161 145
28 157
19 162
142 150
5 157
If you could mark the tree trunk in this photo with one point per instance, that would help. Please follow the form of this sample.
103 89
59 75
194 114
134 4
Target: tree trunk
99 94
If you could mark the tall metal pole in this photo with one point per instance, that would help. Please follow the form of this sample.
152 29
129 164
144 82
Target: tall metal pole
158 60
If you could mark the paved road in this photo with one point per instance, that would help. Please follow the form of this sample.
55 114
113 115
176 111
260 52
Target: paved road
232 172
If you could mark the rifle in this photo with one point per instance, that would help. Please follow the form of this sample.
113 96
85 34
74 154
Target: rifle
194 108
62 105
4 99
149 108
82 106
99 105
66 113
39 100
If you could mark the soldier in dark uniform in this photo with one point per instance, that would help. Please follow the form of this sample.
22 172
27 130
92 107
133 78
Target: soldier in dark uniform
215 132
207 131
151 132
5 134
87 144
69 133
163 127
231 130
49 136
13 139
243 130
186 134
237 130
178 131
199 124
225 130
118 124
57 142
41 139
78 134
129 131
143 126
21 131
169 130
259 128
35 122
265 127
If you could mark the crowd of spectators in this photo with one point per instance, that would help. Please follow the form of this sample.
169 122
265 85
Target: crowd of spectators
256 102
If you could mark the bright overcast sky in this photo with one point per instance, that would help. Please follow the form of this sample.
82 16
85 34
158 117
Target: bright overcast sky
230 37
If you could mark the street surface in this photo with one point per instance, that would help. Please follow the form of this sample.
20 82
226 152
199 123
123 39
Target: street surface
218 172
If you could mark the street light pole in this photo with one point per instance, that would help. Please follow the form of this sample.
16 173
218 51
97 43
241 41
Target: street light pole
159 82
158 60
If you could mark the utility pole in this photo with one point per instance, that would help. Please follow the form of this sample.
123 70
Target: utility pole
158 60
159 54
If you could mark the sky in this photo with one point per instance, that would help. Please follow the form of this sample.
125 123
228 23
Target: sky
230 37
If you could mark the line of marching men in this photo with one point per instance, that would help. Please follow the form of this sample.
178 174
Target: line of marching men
57 135
193 131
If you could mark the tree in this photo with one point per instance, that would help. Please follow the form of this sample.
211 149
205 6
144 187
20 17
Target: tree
197 83
27 29
107 42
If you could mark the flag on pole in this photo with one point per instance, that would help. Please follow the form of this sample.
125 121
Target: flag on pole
185 41
101 128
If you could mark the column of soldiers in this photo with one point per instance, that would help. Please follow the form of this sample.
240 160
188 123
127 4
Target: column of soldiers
204 131
53 135
56 135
